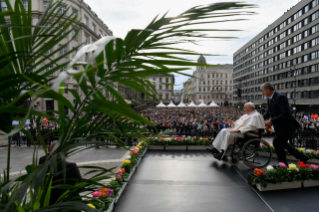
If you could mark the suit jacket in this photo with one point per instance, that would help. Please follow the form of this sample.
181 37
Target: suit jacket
281 116
72 171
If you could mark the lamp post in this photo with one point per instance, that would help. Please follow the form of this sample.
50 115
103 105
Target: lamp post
294 97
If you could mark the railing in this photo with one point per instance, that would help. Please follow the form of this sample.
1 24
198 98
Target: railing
306 139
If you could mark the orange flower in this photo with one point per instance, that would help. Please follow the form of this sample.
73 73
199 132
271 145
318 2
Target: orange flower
102 194
123 170
259 172
103 190
161 138
206 139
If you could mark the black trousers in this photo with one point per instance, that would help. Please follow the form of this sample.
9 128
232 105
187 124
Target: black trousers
280 143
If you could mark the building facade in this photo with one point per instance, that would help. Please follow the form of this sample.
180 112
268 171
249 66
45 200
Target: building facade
187 87
90 29
285 54
165 91
212 83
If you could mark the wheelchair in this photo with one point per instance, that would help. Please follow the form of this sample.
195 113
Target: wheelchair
251 149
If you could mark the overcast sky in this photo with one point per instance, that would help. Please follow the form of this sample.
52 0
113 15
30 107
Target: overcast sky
123 15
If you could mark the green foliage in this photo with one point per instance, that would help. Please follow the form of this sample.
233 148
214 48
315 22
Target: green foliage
114 61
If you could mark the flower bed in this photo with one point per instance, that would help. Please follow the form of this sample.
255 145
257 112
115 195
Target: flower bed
109 196
183 140
285 177
312 154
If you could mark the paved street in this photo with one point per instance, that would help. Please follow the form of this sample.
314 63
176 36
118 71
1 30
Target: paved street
22 156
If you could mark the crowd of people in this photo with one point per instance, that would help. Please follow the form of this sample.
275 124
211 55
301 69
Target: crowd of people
186 120
307 122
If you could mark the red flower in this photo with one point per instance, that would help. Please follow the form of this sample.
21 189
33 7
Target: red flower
259 172
178 139
302 165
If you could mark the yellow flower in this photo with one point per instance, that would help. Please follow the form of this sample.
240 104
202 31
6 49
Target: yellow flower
141 143
201 138
138 146
126 162
292 166
302 149
271 145
92 206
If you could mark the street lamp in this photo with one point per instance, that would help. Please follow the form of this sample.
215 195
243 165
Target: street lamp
294 96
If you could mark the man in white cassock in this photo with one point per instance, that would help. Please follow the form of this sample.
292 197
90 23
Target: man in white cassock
251 121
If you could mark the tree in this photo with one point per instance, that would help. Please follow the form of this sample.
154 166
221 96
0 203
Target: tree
115 61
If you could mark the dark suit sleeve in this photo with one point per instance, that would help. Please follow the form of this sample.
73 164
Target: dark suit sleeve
266 114
282 102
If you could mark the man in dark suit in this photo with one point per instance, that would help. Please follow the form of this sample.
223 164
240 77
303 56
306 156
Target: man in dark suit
72 172
281 118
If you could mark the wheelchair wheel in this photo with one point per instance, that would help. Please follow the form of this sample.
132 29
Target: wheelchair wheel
254 156
234 160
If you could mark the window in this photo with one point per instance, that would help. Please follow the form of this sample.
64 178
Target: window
282 35
62 9
86 39
94 27
63 69
306 8
50 67
25 4
63 51
298 14
314 29
297 49
74 13
289 31
314 55
314 42
62 29
49 51
86 21
314 3
314 16
306 33
74 34
305 58
282 55
3 6
289 42
297 26
305 46
166 80
297 38
305 21
289 20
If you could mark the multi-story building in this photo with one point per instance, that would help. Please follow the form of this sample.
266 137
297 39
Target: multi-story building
187 93
212 83
90 29
286 54
164 86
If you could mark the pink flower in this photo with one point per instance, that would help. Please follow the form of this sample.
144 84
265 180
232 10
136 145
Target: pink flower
151 136
96 194
317 151
282 165
134 151
183 136
314 167
120 171
194 137
173 136
312 151
212 139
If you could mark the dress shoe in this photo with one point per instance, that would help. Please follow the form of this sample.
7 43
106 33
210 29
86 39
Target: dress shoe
305 159
218 156
212 150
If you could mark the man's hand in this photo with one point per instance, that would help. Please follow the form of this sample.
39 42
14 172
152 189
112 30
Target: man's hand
268 123
234 131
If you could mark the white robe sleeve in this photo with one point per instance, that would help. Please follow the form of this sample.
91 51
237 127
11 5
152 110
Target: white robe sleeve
247 128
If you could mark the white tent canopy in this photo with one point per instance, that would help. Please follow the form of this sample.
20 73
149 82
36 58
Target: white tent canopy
181 105
202 104
213 104
171 104
191 104
161 104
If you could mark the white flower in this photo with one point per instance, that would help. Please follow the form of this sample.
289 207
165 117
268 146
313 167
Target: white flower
308 151
270 168
113 178
128 157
